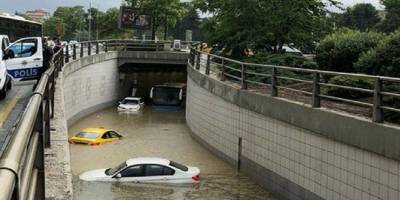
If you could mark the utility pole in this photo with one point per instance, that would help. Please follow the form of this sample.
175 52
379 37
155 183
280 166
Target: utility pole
90 21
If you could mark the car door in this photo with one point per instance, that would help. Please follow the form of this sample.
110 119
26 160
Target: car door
25 60
158 173
133 173
110 136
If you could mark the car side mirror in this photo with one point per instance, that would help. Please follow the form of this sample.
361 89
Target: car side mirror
118 176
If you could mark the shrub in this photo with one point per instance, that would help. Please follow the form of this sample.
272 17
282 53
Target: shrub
384 59
356 82
340 50
284 59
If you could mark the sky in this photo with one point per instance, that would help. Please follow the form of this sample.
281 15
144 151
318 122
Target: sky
10 6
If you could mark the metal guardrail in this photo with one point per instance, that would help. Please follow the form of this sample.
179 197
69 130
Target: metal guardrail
247 73
22 163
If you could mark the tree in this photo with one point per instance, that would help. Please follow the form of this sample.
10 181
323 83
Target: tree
237 24
73 19
51 27
361 17
392 18
164 12
191 21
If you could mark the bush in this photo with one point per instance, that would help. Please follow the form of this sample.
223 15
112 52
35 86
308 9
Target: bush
356 82
339 51
284 59
384 60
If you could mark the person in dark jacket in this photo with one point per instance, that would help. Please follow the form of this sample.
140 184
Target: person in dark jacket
47 55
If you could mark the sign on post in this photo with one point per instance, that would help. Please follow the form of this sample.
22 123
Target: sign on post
130 18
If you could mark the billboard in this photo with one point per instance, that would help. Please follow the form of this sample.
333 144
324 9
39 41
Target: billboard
131 18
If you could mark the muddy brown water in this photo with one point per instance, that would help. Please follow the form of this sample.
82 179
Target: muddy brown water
155 134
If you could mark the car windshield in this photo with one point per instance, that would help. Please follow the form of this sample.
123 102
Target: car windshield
178 166
112 171
130 102
86 135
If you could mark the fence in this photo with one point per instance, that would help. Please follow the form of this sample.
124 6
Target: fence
22 163
272 80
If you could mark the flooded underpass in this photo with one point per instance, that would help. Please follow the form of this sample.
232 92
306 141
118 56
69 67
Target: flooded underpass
155 134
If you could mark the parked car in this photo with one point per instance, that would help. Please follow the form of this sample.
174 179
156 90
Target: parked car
95 136
131 104
145 170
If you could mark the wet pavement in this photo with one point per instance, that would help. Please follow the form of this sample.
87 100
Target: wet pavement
157 135
11 108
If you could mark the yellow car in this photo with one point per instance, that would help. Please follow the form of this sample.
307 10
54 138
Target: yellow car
94 136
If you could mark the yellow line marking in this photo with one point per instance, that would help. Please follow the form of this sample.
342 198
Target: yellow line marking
6 110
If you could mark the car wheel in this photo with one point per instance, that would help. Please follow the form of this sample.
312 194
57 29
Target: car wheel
3 93
9 84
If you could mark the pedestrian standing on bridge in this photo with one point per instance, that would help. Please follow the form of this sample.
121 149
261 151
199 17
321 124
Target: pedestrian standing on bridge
47 58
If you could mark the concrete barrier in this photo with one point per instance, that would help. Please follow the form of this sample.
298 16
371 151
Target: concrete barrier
293 150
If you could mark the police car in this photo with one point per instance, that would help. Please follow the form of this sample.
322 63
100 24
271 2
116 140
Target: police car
5 79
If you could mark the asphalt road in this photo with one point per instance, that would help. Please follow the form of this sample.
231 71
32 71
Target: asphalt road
11 108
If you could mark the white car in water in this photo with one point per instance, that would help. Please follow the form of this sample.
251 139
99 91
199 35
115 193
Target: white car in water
145 170
131 104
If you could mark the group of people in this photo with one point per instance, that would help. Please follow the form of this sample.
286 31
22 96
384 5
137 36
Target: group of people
50 47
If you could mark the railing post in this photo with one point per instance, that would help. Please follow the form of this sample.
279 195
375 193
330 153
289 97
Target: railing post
46 114
106 46
377 115
39 161
81 53
89 48
274 83
74 51
97 47
52 90
62 61
198 60
223 78
316 99
66 54
208 64
243 80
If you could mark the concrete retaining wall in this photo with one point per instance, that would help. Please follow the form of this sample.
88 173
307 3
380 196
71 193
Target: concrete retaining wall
293 162
90 84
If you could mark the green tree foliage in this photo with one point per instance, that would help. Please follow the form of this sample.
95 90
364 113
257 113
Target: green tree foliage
340 50
392 17
191 21
384 59
360 17
51 25
237 24
73 19
164 12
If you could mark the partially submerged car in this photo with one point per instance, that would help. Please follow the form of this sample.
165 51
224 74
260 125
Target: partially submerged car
95 136
131 104
145 170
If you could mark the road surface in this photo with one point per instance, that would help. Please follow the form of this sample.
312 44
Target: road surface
11 108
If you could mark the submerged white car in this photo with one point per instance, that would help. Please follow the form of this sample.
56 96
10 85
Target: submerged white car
145 170
131 104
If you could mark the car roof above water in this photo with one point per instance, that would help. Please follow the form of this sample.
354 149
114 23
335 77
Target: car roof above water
96 130
133 98
147 160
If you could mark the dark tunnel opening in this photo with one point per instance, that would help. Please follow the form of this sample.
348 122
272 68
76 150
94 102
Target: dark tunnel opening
141 77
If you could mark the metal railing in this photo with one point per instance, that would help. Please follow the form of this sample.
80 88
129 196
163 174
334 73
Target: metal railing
271 79
22 162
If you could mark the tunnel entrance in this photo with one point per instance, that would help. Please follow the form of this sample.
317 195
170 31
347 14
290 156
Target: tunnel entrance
139 78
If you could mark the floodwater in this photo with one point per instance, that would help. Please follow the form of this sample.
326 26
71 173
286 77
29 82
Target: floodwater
157 135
